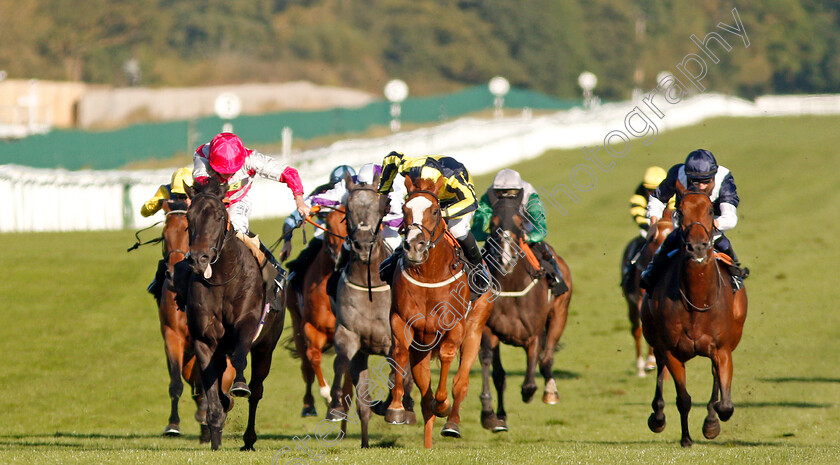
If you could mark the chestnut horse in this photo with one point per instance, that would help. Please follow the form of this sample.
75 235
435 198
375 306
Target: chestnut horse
692 311
525 313
431 313
180 357
633 293
312 315
227 312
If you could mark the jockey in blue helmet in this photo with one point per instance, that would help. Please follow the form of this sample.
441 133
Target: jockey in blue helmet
701 171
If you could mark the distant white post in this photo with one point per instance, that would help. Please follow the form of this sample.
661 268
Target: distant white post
587 81
396 92
287 142
227 106
499 87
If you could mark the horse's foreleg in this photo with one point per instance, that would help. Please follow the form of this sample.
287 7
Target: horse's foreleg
205 355
469 351
395 413
315 341
499 377
421 371
529 386
634 312
723 360
359 375
711 426
174 345
488 418
656 421
346 344
447 352
260 366
558 316
677 369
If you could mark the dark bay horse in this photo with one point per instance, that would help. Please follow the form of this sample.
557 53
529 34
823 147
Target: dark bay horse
362 311
180 357
430 311
312 315
525 313
693 311
226 310
633 293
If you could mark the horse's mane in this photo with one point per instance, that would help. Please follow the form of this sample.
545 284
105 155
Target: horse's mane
211 186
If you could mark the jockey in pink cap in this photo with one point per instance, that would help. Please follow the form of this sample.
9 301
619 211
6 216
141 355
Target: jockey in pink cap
226 158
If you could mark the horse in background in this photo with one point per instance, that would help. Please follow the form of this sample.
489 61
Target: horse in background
312 314
633 293
180 357
693 311
431 314
362 311
525 313
227 311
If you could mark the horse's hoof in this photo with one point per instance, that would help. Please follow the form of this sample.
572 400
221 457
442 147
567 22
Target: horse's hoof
655 425
410 418
441 409
686 442
528 393
711 428
336 414
201 417
247 448
650 365
240 389
309 411
451 430
229 405
551 398
488 420
395 417
725 413
204 438
172 430
501 426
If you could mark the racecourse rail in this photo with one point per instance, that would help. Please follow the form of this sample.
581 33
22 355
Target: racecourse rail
61 200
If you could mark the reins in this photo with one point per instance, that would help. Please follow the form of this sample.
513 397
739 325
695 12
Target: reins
710 237
156 240
221 243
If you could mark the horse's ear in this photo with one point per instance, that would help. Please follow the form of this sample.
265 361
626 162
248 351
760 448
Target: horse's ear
190 191
681 189
376 178
439 184
409 185
348 181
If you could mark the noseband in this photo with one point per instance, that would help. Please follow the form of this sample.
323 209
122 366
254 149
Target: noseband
221 242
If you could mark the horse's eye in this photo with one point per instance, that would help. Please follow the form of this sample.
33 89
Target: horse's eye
435 211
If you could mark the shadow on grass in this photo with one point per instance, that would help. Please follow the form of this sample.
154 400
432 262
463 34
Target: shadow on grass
800 380
783 404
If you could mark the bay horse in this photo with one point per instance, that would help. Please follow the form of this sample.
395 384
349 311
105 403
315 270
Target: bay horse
633 293
525 313
227 312
312 314
362 312
692 311
431 313
180 357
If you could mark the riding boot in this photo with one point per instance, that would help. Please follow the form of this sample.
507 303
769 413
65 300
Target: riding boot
552 269
737 272
658 263
156 286
389 266
479 278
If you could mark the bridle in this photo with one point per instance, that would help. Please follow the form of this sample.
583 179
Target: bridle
684 230
432 242
352 229
170 252
220 244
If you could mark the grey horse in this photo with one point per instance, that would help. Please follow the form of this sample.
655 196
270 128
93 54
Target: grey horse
362 304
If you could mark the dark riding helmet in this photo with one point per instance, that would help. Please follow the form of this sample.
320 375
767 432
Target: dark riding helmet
339 172
700 165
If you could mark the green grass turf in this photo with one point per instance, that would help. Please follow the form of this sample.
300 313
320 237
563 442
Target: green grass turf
84 381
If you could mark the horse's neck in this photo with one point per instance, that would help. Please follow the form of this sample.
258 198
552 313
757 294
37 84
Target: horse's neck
700 281
359 269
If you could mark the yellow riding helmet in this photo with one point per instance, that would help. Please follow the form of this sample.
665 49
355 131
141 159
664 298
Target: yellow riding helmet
653 177
180 178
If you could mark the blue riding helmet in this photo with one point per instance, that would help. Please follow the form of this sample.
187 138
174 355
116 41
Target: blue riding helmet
700 165
338 173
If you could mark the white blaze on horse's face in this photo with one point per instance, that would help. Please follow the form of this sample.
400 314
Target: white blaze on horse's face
418 206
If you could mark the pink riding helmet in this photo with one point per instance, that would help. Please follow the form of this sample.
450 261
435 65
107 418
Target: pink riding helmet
227 153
